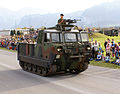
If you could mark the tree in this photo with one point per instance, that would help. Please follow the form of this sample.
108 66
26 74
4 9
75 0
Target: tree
11 33
18 32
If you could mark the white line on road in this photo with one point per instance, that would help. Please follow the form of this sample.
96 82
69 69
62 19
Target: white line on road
103 72
49 80
5 65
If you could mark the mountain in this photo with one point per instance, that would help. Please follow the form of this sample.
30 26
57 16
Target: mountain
106 14
37 20
74 15
6 18
10 19
102 15
29 11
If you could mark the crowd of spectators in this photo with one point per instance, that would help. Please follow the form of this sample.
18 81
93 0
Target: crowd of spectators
8 43
12 42
111 48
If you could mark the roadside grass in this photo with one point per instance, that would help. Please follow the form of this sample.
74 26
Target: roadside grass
103 64
7 50
101 39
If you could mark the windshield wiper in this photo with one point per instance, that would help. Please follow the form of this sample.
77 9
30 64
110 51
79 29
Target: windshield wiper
53 40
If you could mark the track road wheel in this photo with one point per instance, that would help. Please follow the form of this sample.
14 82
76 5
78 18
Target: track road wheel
26 66
76 71
29 67
21 64
85 66
44 71
34 68
39 71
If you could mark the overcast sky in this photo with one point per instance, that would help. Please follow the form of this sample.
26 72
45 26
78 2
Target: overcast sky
64 6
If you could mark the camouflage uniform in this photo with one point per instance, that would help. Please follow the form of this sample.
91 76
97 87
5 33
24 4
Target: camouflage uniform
61 20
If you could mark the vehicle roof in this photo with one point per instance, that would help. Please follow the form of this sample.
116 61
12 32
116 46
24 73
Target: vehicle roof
55 31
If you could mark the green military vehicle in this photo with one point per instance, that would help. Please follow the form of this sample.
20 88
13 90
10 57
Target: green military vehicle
110 32
63 48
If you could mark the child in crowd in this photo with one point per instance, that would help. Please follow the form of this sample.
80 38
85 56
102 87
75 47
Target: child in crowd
103 58
100 49
107 58
99 57
117 61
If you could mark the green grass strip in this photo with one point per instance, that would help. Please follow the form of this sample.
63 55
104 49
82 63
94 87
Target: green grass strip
103 64
8 50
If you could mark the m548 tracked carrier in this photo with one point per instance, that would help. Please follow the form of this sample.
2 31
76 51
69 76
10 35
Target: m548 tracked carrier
63 48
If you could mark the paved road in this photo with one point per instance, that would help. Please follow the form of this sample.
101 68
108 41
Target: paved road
95 80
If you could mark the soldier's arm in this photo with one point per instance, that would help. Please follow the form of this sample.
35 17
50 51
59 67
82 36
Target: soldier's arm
59 22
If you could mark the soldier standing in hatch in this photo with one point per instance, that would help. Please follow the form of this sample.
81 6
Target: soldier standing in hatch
61 20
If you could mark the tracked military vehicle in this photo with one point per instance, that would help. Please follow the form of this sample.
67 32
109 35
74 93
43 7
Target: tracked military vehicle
62 48
110 32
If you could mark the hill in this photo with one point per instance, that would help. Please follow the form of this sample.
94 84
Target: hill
106 14
38 20
98 35
102 15
10 19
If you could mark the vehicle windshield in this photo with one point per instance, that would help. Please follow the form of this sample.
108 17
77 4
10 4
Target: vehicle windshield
84 36
70 37
56 37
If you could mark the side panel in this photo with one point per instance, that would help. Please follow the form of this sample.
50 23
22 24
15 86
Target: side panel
31 53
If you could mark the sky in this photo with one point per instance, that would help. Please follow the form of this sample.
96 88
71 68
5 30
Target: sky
52 6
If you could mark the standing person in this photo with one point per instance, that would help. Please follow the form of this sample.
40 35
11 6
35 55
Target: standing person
108 50
100 49
93 50
113 41
108 42
105 43
119 48
113 48
96 48
61 20
116 51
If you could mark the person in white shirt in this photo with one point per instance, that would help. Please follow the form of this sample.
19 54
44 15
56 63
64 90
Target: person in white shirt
96 45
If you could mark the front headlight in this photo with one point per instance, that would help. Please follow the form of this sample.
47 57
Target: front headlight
88 48
57 56
59 49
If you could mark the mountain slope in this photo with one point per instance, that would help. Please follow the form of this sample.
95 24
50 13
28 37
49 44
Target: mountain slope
37 20
105 14
9 19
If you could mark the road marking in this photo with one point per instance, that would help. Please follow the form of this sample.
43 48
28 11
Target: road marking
59 83
102 71
49 80
5 65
